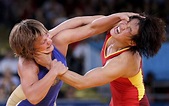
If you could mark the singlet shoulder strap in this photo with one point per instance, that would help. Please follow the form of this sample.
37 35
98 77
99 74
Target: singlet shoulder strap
117 53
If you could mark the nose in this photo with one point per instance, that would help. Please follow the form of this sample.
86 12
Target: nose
123 26
49 41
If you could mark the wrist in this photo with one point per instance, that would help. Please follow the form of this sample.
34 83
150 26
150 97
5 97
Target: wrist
53 72
48 66
63 72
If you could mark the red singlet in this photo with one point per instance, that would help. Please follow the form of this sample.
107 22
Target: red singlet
125 91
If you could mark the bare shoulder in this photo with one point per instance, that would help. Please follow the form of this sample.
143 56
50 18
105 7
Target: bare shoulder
130 56
25 65
126 57
127 63
28 73
132 63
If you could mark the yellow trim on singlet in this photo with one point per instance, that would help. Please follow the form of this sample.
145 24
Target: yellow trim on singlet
137 81
114 52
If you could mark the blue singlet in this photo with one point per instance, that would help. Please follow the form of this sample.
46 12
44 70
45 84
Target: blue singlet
52 94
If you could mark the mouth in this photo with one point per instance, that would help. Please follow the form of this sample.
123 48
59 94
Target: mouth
47 50
117 30
49 47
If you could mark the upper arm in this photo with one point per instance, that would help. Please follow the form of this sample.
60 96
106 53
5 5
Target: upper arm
97 26
113 69
28 72
66 37
103 75
73 23
73 35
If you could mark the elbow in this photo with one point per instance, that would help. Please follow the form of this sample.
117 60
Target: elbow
34 99
78 20
81 86
34 96
94 29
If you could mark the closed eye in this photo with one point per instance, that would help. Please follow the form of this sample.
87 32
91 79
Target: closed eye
44 40
129 29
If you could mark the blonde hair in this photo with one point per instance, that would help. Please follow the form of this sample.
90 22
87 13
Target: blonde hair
23 36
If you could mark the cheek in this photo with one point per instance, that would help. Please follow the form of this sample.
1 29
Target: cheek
125 33
42 48
112 32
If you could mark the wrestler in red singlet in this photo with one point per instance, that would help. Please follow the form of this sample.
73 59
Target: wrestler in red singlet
125 91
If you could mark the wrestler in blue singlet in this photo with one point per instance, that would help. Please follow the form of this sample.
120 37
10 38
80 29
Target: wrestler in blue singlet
51 96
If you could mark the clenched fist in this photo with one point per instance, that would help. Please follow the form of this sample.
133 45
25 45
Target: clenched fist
58 67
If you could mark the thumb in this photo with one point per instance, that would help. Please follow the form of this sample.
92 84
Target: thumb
55 60
124 17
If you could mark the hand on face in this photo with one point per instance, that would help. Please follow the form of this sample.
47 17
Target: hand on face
58 67
126 15
43 59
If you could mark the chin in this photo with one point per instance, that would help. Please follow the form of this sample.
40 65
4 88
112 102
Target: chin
51 48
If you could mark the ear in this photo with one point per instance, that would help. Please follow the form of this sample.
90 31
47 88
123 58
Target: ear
132 43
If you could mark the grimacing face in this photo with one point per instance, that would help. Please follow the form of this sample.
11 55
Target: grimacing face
43 44
124 30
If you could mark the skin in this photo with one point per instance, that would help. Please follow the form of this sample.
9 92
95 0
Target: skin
111 70
60 37
28 69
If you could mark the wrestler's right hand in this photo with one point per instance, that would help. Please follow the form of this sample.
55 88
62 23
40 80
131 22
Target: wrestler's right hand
125 15
44 59
58 67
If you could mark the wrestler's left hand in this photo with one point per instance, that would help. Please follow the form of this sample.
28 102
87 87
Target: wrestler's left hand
58 67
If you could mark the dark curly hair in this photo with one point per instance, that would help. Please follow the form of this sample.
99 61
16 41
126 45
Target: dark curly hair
151 35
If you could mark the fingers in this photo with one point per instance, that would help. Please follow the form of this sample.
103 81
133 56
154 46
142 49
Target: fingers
59 67
50 36
42 52
59 63
132 14
55 62
38 53
135 14
124 17
127 15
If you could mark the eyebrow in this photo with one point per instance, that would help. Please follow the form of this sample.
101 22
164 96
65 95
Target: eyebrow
44 40
130 27
131 31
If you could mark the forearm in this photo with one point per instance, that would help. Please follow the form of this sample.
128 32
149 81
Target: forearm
39 89
73 79
89 80
103 24
73 23
88 19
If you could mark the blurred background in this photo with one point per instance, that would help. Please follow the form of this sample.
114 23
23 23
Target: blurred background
85 55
